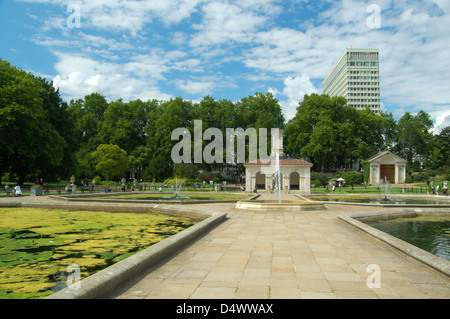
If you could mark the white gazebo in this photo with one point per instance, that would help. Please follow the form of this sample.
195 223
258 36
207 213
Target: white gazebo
386 165
295 173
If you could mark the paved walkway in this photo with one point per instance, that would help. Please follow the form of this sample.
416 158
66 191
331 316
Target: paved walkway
288 255
284 255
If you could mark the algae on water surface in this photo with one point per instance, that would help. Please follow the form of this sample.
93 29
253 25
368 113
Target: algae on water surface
37 245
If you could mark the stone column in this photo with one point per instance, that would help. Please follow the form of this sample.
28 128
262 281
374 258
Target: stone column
248 180
269 182
401 173
375 174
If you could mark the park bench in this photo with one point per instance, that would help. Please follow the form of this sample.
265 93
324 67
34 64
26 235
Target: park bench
87 189
61 189
7 193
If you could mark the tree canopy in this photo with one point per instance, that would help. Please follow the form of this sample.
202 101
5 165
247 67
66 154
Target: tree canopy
42 135
34 125
110 161
331 134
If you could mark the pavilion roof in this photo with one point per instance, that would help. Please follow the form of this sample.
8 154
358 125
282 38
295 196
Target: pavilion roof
283 162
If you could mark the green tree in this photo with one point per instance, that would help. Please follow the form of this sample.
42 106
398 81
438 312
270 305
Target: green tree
331 134
123 124
414 138
163 119
29 110
439 154
259 111
213 114
60 118
111 161
315 131
87 114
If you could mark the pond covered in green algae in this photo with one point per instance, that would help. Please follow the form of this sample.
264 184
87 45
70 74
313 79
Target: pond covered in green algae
37 245
430 233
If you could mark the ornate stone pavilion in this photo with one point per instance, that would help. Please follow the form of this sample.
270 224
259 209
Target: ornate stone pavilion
386 164
295 173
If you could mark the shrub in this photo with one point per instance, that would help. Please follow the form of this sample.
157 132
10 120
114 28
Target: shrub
316 183
420 177
366 171
408 179
351 177
318 178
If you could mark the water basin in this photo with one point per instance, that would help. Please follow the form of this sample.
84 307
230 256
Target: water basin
430 233
381 200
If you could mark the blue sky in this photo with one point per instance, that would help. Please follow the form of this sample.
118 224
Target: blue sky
152 49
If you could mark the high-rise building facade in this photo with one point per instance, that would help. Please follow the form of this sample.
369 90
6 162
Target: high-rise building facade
357 78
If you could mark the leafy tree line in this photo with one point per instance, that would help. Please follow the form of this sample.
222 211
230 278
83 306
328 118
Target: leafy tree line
143 130
43 136
46 137
331 134
35 126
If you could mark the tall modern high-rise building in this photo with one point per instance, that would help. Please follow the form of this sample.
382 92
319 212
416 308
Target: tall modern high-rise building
357 78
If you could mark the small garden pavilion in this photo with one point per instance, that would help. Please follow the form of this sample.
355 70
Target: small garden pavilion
295 173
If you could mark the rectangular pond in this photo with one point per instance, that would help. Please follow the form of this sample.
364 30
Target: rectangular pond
430 233
37 245
373 199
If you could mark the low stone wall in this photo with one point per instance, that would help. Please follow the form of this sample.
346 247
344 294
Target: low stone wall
286 205
98 198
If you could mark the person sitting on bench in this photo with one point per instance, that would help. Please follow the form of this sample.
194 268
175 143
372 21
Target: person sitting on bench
17 191
8 190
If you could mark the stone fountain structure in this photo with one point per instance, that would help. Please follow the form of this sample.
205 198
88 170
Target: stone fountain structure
279 171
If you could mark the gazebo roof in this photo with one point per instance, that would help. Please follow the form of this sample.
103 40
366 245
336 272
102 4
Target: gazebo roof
384 153
283 162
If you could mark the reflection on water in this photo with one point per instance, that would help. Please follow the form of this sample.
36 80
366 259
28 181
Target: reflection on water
429 234
380 200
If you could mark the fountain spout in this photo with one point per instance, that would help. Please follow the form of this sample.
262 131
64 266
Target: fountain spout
278 170
176 188
277 176
387 188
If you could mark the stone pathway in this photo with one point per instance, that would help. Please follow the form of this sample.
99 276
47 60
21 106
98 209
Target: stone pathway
282 256
288 255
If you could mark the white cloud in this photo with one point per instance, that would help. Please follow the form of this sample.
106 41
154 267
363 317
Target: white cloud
441 119
79 76
295 89
195 87
119 16
225 23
